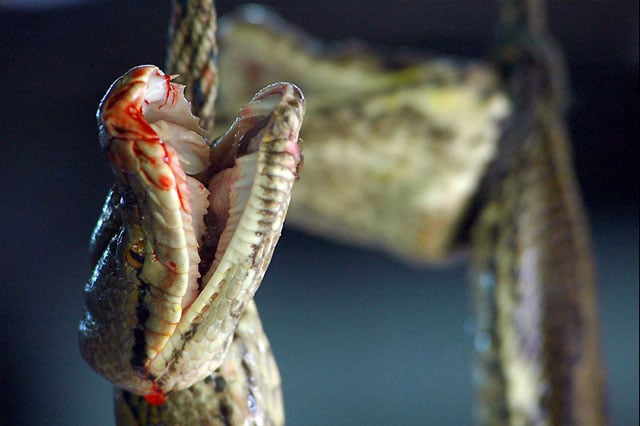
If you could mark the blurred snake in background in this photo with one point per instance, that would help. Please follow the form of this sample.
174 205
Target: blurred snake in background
422 158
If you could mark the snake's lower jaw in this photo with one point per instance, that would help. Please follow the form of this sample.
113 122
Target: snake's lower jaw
199 225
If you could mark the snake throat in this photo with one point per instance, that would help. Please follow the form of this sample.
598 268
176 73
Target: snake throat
200 220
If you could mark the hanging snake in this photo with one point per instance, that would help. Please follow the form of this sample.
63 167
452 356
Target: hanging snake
423 159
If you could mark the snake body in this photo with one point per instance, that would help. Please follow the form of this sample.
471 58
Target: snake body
245 389
186 237
537 338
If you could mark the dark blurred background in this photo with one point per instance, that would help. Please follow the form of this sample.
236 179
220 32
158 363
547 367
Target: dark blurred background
360 338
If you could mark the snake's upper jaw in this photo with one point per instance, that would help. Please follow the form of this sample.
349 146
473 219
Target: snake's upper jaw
145 104
200 224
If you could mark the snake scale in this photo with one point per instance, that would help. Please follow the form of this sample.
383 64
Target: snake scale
440 157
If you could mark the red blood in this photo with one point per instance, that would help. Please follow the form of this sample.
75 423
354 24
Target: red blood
157 397
165 182
170 92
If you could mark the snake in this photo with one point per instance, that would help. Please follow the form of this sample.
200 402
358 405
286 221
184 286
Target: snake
184 240
442 157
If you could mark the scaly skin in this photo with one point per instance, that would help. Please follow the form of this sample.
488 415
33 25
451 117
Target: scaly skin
539 360
167 293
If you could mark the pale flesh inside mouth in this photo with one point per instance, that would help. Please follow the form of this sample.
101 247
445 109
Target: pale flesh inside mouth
218 175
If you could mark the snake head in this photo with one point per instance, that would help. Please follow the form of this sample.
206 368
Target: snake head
188 231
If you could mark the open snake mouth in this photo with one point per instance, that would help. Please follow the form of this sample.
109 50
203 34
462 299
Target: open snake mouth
186 200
